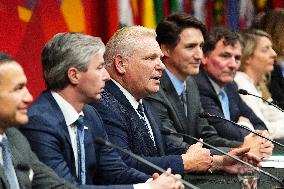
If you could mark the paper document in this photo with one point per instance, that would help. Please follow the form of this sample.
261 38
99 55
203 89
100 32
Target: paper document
276 161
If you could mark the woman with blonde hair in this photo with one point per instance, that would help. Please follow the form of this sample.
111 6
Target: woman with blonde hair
272 22
257 61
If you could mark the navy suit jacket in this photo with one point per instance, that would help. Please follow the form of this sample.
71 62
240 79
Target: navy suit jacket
123 126
237 107
48 135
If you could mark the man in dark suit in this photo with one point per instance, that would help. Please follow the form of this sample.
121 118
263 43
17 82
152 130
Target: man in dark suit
219 94
133 62
19 166
181 37
62 128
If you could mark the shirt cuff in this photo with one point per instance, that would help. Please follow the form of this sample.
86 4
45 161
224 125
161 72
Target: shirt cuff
145 185
142 186
246 124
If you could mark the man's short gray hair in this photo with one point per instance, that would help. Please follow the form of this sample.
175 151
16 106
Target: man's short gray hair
66 50
125 41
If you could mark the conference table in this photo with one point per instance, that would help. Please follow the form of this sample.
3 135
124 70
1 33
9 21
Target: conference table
227 181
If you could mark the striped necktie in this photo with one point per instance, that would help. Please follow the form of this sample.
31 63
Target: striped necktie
81 150
8 165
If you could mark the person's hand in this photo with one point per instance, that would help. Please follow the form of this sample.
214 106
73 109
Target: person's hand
232 166
266 147
166 181
258 146
197 159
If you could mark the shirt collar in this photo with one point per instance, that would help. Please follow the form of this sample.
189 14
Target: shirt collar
2 136
134 103
69 112
178 84
216 87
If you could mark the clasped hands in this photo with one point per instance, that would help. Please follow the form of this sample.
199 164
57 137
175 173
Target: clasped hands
199 159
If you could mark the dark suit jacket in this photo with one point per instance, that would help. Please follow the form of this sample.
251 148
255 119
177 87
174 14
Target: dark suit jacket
48 135
237 106
31 173
125 129
171 112
276 86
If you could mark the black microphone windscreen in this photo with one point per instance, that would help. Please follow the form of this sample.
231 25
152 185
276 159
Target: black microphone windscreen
243 92
100 141
204 115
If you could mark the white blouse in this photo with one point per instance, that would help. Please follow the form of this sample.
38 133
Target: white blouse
271 116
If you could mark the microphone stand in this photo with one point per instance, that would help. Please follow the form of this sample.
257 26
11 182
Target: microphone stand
208 115
168 131
244 92
101 141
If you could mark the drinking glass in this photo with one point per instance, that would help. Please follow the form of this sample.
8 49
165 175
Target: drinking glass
248 177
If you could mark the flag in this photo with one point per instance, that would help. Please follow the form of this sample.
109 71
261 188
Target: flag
73 13
125 13
46 21
148 14
11 27
199 7
246 14
159 10
233 14
104 19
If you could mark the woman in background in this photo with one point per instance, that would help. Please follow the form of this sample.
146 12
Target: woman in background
272 22
257 61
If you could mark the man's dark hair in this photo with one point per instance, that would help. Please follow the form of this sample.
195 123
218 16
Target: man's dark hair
169 29
218 33
5 58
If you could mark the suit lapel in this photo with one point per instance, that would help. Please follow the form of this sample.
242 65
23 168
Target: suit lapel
174 99
58 114
208 86
19 162
120 97
155 128
123 101
3 177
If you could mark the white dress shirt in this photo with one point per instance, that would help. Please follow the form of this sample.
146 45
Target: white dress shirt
70 116
134 103
1 155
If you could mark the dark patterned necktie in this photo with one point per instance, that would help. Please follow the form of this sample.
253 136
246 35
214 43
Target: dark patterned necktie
8 165
81 150
183 100
141 112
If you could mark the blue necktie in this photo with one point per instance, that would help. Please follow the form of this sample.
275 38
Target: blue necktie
224 103
8 165
81 150
141 112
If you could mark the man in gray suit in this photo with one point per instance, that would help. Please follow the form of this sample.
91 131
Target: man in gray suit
181 38
19 167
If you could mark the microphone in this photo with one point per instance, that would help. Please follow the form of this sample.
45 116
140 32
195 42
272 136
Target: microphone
245 92
101 141
208 115
167 131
